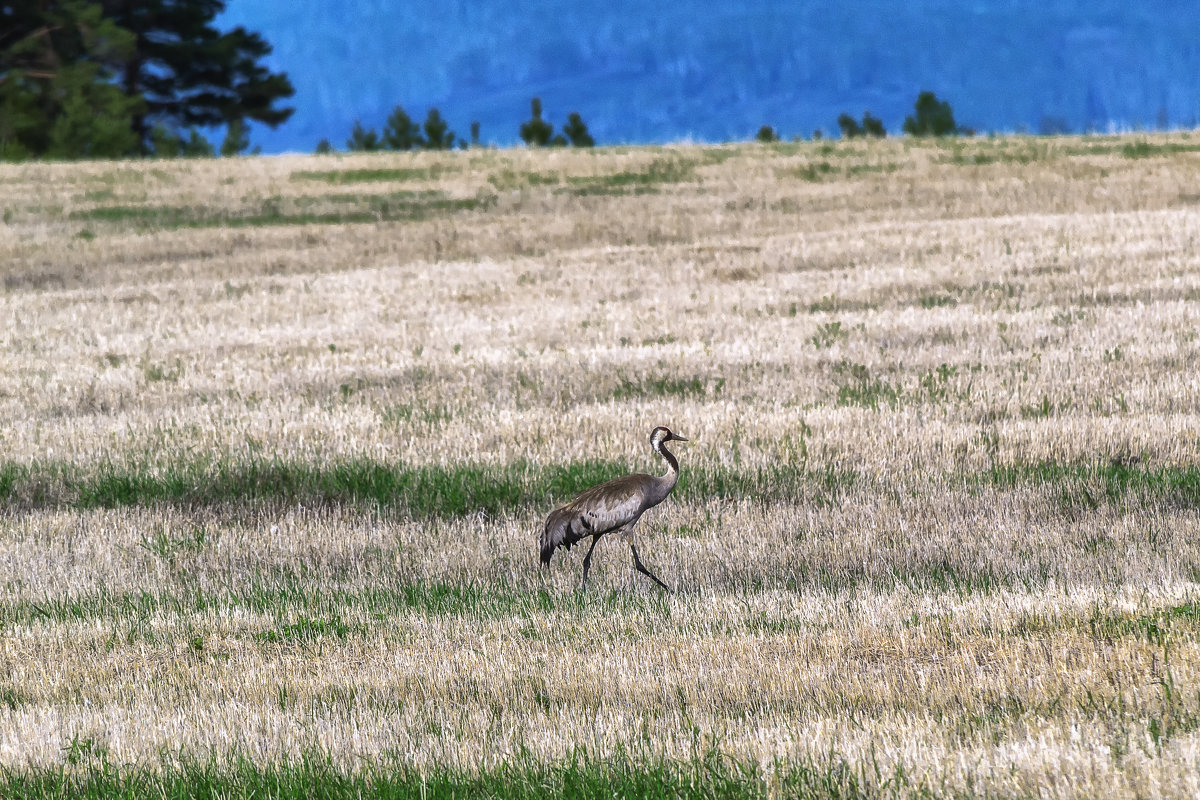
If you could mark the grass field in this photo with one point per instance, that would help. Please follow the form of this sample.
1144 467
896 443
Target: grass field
277 437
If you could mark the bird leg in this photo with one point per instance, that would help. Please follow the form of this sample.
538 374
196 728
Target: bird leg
637 563
587 561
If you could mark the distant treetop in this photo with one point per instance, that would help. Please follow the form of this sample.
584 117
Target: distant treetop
933 117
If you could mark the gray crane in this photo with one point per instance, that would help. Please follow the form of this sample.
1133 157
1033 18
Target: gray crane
613 507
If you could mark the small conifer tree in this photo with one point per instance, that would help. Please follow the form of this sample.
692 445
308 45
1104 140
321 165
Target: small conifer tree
850 127
438 135
400 132
873 126
363 139
475 133
766 134
933 117
576 131
536 132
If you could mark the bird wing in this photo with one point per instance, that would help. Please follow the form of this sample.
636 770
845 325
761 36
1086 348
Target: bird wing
599 510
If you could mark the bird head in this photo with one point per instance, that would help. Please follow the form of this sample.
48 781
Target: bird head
663 434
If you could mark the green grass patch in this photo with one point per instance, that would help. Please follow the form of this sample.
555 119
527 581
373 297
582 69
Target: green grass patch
418 491
706 776
1145 149
436 491
306 608
306 629
667 387
857 387
660 171
379 175
1083 487
828 335
394 207
813 172
508 180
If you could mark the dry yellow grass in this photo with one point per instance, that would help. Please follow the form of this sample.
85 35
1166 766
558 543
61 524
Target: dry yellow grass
976 360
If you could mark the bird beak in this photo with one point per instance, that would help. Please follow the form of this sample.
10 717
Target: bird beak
675 437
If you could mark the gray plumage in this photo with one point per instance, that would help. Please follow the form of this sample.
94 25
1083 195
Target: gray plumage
612 507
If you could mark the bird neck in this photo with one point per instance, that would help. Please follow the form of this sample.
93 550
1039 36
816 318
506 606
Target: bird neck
672 465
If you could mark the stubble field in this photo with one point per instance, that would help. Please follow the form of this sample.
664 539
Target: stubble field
277 437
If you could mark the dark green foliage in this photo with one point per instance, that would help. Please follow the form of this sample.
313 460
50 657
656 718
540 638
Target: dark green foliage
933 117
95 80
363 139
873 126
237 140
93 119
324 147
57 97
438 135
576 131
400 132
536 132
870 126
766 134
849 126
166 143
475 133
191 74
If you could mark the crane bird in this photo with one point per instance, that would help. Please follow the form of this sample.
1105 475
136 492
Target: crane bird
613 507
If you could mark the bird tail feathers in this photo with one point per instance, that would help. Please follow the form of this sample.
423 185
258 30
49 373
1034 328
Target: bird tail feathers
558 533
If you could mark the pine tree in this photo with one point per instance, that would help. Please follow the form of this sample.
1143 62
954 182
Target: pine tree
766 134
191 74
536 132
577 131
71 70
57 62
849 125
873 126
438 135
363 139
400 132
933 117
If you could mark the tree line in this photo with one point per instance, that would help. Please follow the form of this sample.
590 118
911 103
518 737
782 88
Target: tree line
930 117
113 78
401 132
